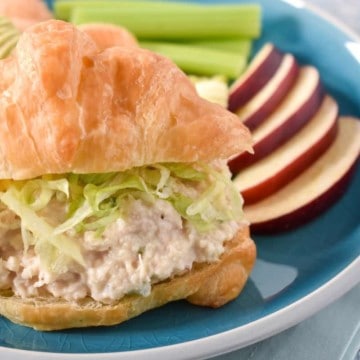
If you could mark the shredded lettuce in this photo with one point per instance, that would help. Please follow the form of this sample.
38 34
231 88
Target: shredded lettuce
40 229
37 193
200 194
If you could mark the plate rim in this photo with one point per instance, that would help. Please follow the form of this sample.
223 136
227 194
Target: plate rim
214 345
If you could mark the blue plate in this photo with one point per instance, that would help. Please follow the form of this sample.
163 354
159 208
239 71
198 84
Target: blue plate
296 274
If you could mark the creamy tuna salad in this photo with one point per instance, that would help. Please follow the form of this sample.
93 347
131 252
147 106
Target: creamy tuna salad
108 235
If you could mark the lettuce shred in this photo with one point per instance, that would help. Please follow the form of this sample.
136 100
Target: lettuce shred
200 194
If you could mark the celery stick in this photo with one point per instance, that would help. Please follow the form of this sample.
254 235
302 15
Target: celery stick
4 21
64 8
8 46
239 46
9 37
8 34
200 61
190 22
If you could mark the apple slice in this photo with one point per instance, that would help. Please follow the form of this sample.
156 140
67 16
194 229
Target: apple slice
315 189
300 105
260 106
258 73
281 166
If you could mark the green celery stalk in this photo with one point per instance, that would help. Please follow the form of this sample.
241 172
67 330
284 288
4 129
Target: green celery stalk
64 8
240 46
9 37
8 45
177 22
200 61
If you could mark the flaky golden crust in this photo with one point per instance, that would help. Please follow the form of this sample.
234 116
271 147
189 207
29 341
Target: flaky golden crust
206 284
66 107
108 35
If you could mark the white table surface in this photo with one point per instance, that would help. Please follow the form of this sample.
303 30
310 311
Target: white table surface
347 11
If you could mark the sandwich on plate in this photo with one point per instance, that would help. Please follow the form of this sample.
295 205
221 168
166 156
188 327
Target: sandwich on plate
115 196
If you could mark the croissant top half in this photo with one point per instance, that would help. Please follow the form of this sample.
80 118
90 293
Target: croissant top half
68 106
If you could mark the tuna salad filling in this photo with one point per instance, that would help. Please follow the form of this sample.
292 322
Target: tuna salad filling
108 235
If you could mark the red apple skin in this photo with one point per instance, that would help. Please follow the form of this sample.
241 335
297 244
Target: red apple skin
275 183
243 93
269 106
309 211
279 136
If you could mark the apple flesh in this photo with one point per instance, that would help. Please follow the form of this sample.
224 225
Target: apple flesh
258 73
316 189
270 174
296 109
260 106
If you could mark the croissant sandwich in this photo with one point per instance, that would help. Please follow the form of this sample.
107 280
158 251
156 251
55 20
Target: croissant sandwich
115 196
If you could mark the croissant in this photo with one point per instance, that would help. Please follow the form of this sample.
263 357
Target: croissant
115 194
